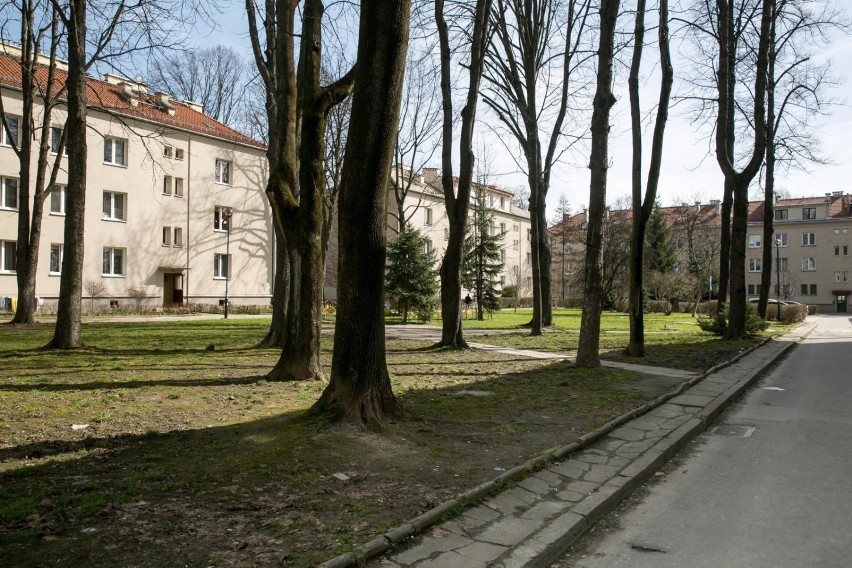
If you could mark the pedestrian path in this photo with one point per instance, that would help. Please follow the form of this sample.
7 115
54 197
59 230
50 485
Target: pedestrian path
549 502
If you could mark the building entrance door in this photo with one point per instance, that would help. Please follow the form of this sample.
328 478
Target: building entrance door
172 289
841 304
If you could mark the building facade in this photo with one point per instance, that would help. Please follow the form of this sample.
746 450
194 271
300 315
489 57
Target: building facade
176 210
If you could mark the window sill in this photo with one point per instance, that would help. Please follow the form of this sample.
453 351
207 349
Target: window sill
56 214
54 274
224 231
180 196
167 194
113 164
113 276
223 183
9 209
112 220
221 278
9 272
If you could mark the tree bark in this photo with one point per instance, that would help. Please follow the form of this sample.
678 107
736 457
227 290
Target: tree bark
769 184
67 334
360 389
590 325
457 201
277 334
642 209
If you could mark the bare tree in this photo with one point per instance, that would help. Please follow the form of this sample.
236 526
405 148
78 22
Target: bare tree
296 101
360 389
529 52
457 198
642 208
39 86
215 77
419 124
797 93
590 325
738 180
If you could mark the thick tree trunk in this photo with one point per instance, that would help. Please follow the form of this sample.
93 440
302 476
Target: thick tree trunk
67 334
739 232
725 244
360 388
590 325
769 184
451 276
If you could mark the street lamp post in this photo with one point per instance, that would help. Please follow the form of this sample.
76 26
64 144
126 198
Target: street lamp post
228 213
778 277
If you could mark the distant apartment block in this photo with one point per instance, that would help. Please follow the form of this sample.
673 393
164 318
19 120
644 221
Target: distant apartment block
175 200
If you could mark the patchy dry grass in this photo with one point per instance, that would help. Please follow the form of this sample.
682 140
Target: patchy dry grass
187 456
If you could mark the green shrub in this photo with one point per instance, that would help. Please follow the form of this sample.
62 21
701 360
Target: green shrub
718 324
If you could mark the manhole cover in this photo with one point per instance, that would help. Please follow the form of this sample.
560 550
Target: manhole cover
734 431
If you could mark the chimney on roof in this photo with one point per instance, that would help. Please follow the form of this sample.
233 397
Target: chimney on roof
197 107
836 193
697 207
777 197
164 103
827 197
129 92
431 174
718 204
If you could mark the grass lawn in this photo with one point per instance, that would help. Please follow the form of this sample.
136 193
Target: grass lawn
146 448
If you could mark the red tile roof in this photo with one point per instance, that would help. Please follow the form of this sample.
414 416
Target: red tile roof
111 98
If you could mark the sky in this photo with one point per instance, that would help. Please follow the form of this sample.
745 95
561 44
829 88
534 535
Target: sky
689 168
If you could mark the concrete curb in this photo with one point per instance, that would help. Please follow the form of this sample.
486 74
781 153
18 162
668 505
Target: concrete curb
547 544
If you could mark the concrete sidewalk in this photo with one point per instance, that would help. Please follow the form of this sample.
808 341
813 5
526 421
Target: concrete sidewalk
532 523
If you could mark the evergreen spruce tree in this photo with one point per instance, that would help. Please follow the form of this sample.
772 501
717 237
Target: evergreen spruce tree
662 253
410 278
482 261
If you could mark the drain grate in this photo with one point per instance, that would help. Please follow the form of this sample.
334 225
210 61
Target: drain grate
734 430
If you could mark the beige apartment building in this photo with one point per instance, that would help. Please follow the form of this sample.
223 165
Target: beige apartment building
813 236
176 209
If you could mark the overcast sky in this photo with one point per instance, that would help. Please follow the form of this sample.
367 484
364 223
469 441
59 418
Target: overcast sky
689 167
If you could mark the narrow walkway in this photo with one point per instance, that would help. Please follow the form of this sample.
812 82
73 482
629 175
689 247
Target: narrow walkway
530 524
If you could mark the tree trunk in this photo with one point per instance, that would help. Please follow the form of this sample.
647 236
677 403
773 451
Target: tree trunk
67 332
451 276
769 185
277 334
360 388
642 209
590 326
739 232
725 244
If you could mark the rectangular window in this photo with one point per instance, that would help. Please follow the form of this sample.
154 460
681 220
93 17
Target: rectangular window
427 216
9 193
529 258
529 235
808 264
56 140
114 151
809 213
503 204
754 241
223 171
841 251
754 265
503 256
178 240
8 256
167 185
178 154
113 261
427 245
781 214
167 151
446 234
114 206
178 187
56 252
783 263
9 131
502 228
751 290
167 236
808 239
220 218
809 289
221 265
781 237
57 200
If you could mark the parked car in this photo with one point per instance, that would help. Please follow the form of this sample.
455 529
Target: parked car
771 301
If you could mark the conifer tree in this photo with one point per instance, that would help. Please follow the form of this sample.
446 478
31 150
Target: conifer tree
482 259
410 279
662 253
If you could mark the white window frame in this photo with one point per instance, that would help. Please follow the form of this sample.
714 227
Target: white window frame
808 239
112 158
110 254
167 151
754 241
841 250
167 236
177 240
4 136
782 214
178 153
8 257
808 264
111 215
168 184
808 210
223 171
783 238
55 138
754 265
427 246
178 192
222 271
784 262
219 224
60 253
427 216
5 193
62 192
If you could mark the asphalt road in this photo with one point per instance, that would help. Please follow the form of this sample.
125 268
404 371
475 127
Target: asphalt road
769 487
